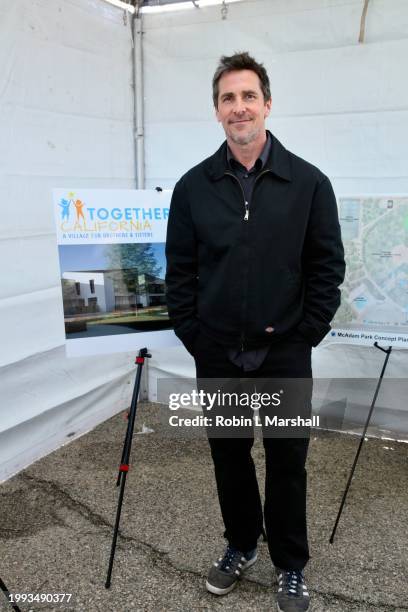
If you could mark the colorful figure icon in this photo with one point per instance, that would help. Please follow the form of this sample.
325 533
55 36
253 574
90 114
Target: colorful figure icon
79 206
65 208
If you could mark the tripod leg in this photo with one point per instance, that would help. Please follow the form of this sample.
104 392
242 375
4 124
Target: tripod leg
132 412
7 594
343 501
350 478
116 529
124 451
124 466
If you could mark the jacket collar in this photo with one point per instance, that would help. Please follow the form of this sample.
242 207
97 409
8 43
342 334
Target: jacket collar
278 161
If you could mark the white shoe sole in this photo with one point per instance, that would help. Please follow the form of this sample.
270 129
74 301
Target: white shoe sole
216 591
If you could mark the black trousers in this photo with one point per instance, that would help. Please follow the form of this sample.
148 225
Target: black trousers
284 511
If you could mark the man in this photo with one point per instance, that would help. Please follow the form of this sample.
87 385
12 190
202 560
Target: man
254 262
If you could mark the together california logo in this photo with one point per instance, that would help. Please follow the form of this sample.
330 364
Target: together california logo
77 219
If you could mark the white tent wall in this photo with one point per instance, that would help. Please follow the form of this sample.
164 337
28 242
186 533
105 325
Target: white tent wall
337 103
66 120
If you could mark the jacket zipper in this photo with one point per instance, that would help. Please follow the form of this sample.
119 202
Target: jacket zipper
246 205
246 218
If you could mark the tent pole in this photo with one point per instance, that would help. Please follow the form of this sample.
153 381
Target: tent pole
138 98
363 21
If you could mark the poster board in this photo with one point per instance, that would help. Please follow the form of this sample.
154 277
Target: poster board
374 302
111 248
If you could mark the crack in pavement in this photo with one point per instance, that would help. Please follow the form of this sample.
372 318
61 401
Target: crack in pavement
55 491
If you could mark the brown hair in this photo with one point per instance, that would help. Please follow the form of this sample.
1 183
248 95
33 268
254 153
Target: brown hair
240 61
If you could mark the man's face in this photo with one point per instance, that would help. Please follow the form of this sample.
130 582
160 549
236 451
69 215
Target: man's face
241 106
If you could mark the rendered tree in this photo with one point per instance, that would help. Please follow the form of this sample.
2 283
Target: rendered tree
132 259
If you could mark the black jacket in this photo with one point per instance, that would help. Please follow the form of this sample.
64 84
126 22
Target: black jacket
280 268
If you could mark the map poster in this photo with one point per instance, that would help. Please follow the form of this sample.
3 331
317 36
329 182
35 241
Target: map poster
374 304
111 248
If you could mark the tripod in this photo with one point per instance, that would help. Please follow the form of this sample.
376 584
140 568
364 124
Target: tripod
124 463
362 438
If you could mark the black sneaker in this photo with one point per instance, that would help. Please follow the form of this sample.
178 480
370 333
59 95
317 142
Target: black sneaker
292 592
225 572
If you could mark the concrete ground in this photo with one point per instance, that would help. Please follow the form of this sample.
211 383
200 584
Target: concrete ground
56 522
